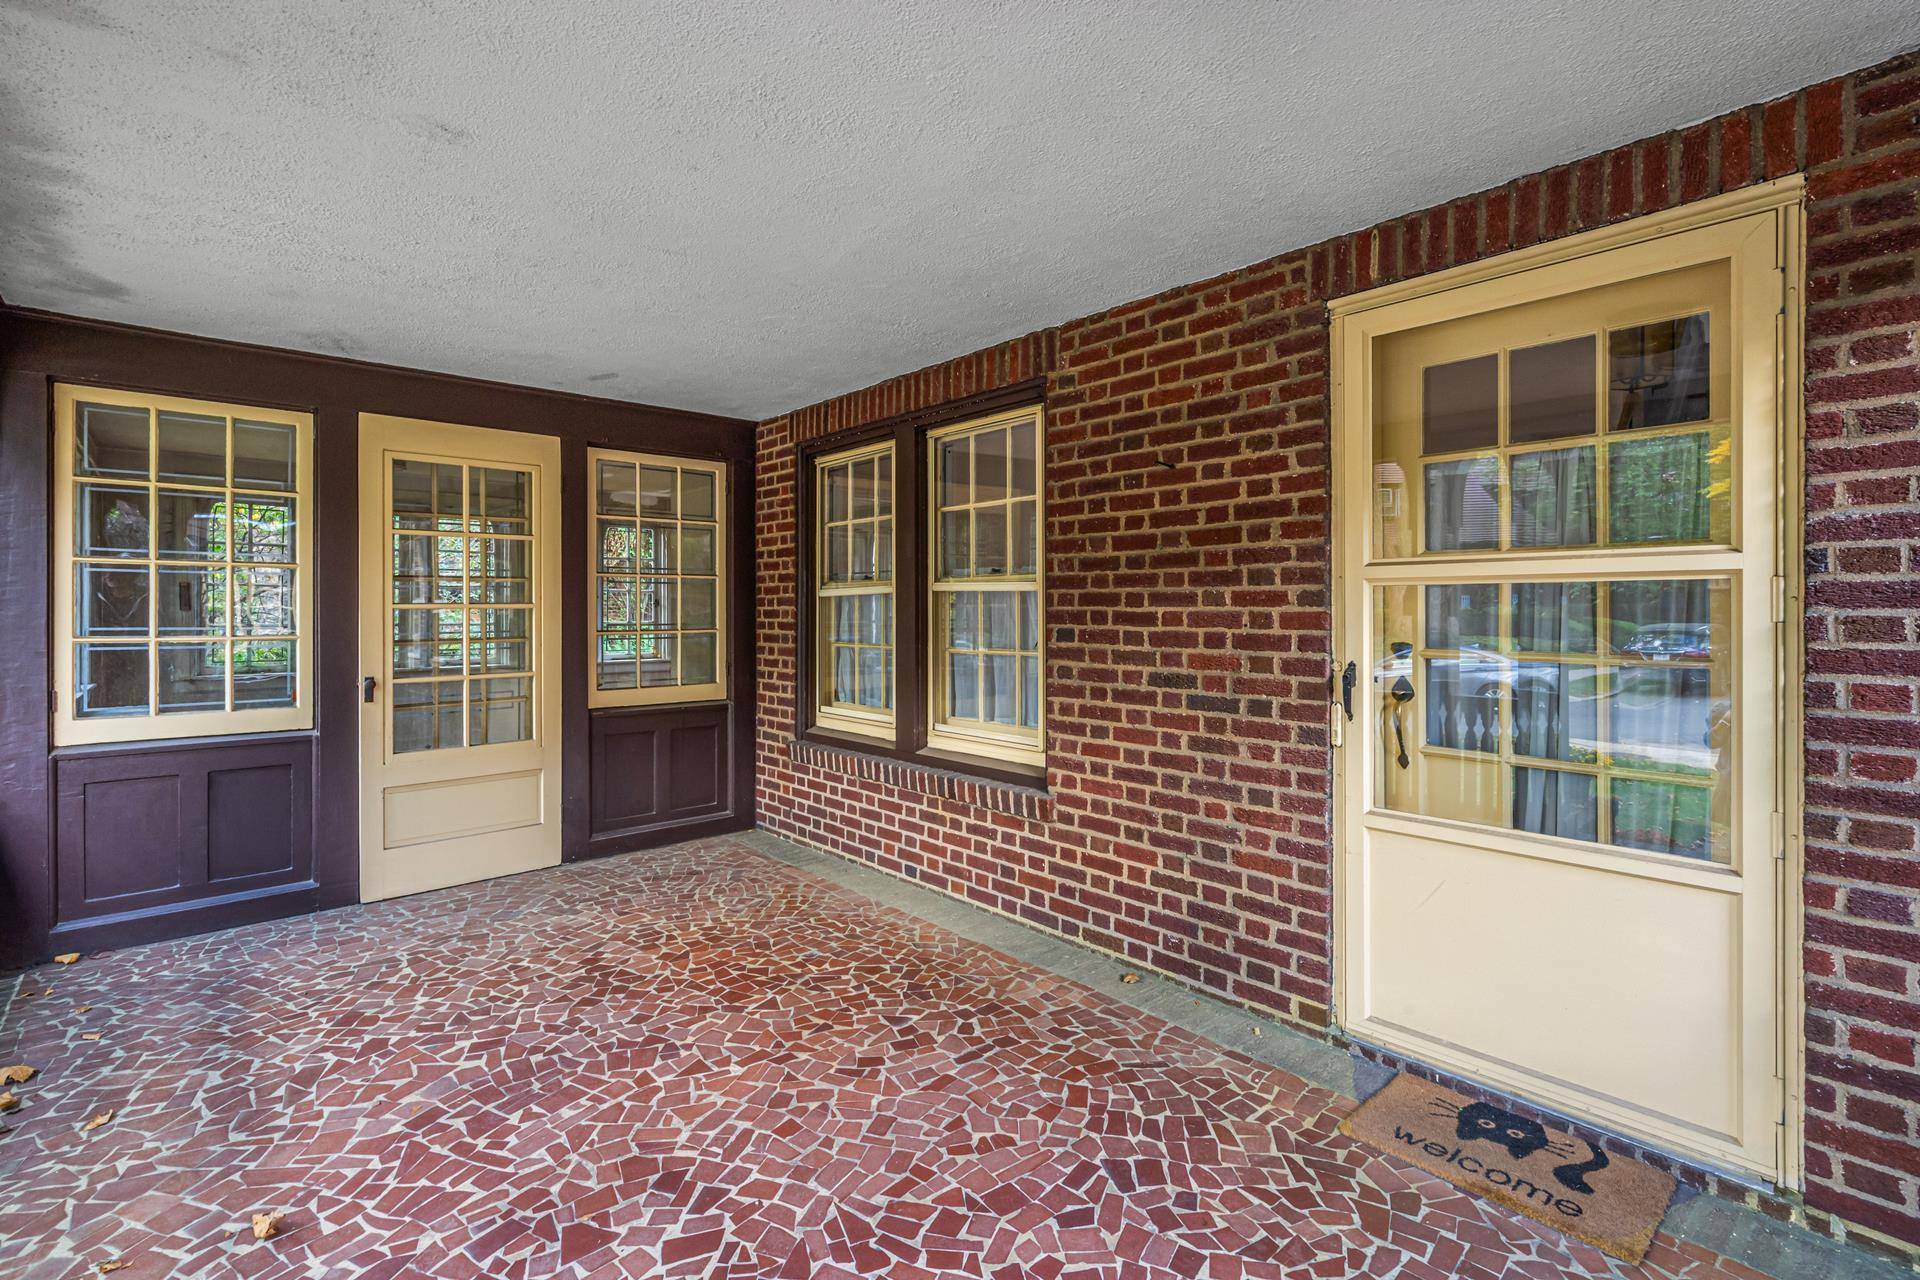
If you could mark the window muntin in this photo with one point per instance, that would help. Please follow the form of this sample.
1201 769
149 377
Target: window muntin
182 546
1616 437
1598 711
986 692
853 599
658 539
462 660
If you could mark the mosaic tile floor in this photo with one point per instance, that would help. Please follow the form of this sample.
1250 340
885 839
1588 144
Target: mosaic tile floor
694 1062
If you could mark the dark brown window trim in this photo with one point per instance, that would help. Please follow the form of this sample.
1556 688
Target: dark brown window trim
908 432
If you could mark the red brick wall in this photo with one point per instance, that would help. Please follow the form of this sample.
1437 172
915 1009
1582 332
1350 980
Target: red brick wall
1185 825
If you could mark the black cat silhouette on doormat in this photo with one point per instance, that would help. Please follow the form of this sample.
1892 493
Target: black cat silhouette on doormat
1521 1137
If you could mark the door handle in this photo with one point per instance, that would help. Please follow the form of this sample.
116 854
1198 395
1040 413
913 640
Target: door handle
1347 679
366 688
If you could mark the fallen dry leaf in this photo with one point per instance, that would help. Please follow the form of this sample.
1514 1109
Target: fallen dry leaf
97 1121
1256 1031
19 1073
118 1264
7 1101
1129 977
267 1225
89 1035
68 958
85 1008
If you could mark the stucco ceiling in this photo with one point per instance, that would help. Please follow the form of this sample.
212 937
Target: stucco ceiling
742 206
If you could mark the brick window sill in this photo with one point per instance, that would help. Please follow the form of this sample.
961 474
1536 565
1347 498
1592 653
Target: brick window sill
929 774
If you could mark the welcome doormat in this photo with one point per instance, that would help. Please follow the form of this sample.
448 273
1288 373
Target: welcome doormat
1609 1201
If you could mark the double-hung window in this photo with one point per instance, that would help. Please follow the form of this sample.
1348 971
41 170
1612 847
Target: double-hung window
985 585
854 497
182 567
950 662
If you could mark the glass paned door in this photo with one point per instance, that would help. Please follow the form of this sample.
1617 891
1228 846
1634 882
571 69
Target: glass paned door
459 573
1560 776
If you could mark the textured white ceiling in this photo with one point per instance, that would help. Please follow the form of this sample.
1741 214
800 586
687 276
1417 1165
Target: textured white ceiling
743 206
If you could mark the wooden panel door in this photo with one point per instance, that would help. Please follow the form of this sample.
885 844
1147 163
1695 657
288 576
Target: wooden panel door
460 654
1561 774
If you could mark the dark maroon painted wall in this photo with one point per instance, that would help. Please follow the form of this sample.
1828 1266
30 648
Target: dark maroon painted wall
157 825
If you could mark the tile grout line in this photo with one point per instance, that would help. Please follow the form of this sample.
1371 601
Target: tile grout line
1783 1250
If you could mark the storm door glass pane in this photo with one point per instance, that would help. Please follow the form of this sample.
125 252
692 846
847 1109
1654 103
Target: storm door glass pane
1556 712
1663 817
1459 409
1552 391
1463 703
1552 802
1463 505
1659 374
1553 617
1553 498
1463 617
1597 711
1669 488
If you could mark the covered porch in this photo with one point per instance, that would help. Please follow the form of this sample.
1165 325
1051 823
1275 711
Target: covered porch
730 1057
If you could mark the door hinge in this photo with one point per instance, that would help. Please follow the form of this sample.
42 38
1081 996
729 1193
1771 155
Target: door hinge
1779 825
1779 599
1780 1100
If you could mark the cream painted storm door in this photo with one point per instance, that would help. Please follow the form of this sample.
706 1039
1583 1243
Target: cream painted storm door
459 649
1560 559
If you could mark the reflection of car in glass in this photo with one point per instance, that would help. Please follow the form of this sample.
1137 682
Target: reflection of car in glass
1671 642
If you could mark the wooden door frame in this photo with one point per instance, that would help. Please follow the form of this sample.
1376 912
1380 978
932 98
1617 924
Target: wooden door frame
1786 198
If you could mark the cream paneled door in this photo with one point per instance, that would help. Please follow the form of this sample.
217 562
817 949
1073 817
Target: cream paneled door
459 650
1561 595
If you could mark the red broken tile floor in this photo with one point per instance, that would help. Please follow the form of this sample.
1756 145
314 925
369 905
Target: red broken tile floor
691 1062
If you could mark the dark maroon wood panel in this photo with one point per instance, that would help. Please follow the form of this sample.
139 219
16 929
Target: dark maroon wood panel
252 822
167 826
626 769
38 350
658 771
